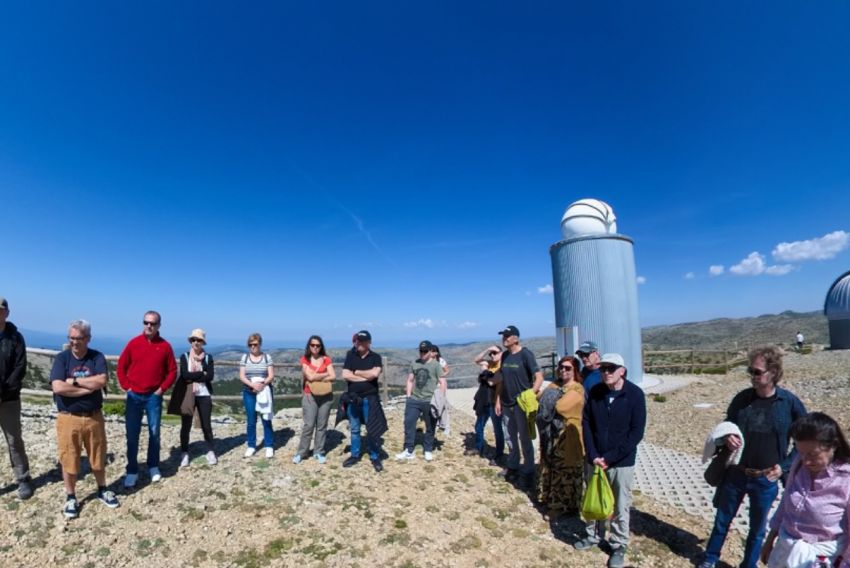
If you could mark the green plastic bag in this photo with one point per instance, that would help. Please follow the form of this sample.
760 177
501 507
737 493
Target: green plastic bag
598 502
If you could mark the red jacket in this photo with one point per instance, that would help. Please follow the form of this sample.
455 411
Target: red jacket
145 366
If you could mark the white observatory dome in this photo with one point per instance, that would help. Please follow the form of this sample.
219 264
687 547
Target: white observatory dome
588 217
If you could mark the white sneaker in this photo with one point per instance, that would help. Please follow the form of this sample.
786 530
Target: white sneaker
156 476
428 456
249 452
130 480
405 455
211 459
269 452
184 460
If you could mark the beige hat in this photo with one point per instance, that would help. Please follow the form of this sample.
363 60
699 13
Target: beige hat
198 333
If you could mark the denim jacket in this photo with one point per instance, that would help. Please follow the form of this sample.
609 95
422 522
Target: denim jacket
786 410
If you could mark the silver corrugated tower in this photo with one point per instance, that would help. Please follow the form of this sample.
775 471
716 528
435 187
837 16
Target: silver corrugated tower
595 285
836 308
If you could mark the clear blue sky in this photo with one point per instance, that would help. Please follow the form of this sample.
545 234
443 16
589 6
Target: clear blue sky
300 168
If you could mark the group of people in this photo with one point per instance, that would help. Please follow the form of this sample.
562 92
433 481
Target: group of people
590 416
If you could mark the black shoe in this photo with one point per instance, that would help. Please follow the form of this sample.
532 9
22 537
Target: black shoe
379 467
585 544
351 461
25 489
617 558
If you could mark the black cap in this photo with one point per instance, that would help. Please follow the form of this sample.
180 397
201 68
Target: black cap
3 303
425 345
363 335
509 331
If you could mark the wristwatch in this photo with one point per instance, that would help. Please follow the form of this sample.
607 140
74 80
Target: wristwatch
75 382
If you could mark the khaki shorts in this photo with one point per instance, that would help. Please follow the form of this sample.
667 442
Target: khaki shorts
73 433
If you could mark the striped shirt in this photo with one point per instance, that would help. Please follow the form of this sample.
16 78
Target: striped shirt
256 372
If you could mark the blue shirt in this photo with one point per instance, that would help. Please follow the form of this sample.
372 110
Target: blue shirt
66 366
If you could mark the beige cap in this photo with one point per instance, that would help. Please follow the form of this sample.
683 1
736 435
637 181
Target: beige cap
198 333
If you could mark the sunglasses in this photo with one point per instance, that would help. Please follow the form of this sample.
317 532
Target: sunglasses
196 340
756 372
608 368
316 345
150 323
565 368
253 345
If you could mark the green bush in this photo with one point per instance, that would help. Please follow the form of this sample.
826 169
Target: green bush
113 407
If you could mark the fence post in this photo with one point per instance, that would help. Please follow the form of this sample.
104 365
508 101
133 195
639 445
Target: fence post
725 362
385 391
693 361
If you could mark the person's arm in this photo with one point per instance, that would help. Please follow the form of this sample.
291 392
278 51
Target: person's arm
498 403
445 369
589 447
188 376
732 441
443 384
538 382
330 375
490 351
86 385
16 377
243 378
210 369
409 386
369 374
170 373
269 374
797 411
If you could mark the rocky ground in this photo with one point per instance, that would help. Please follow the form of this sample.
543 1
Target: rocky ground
451 512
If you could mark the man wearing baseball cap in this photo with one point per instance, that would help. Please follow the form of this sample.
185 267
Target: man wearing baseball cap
588 354
361 370
520 373
13 367
426 374
613 423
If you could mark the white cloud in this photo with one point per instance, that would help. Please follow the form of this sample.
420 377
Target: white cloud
467 325
780 269
641 280
547 289
690 276
716 269
421 322
753 265
823 248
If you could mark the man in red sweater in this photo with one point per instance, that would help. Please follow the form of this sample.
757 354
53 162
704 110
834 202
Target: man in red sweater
146 369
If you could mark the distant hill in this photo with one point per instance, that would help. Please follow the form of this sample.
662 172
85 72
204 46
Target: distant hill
729 333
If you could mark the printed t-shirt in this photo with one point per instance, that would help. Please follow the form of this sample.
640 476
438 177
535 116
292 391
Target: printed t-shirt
517 374
66 366
354 362
761 450
426 377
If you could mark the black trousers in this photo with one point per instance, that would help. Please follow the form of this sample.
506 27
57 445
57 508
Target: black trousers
204 406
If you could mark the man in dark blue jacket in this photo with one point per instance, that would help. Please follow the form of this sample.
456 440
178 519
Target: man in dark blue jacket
614 421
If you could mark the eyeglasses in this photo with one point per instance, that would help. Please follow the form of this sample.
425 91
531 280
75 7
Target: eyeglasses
150 323
196 340
316 345
253 345
564 368
77 338
752 371
608 368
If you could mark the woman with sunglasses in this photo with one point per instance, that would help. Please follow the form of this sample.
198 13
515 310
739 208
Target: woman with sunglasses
559 420
810 525
256 372
197 370
318 373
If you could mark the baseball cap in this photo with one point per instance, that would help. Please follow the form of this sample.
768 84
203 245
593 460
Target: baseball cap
425 345
587 347
613 359
4 303
363 335
509 331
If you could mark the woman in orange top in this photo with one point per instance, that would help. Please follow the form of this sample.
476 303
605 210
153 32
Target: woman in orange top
318 374
562 457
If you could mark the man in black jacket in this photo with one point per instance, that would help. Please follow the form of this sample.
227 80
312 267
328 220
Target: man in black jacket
13 366
614 421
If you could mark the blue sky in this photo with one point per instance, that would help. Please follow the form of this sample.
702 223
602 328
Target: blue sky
318 168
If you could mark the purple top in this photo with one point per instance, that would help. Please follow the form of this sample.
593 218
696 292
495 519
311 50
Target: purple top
816 510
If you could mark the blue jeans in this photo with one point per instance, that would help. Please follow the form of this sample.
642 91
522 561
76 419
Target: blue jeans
734 486
481 422
137 405
355 423
249 399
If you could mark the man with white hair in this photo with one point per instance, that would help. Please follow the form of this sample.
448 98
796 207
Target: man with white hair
614 421
78 377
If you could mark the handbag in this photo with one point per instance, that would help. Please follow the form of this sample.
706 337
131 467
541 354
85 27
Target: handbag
598 502
717 466
187 406
320 388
